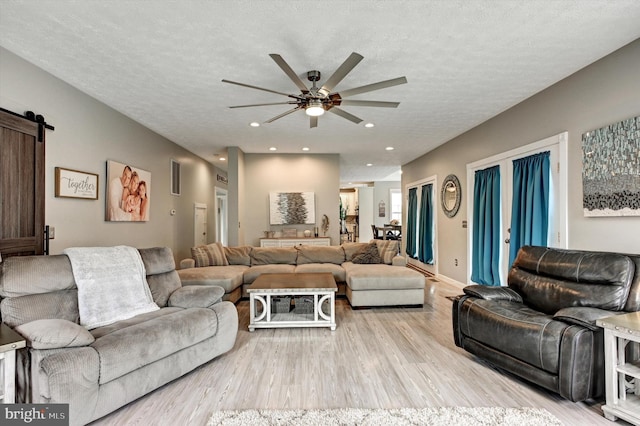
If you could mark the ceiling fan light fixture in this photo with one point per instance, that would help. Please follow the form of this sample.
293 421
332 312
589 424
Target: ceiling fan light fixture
314 108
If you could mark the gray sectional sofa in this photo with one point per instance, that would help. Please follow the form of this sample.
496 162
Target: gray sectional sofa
385 283
99 370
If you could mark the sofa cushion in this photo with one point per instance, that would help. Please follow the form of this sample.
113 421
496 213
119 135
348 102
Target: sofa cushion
54 333
320 254
209 255
551 279
255 271
157 260
57 304
499 324
133 344
351 248
273 255
336 270
387 249
196 296
381 277
228 277
22 275
367 255
238 255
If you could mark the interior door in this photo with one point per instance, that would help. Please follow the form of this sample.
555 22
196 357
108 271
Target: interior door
200 224
22 185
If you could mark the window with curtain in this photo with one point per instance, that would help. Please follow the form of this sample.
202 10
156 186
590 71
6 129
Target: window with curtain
412 224
485 262
530 204
425 228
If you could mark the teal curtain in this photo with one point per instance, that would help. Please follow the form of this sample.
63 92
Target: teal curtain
485 262
425 246
412 222
530 204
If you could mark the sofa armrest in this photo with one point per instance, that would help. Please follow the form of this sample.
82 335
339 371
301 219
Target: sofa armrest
492 293
196 296
399 260
54 334
583 316
187 263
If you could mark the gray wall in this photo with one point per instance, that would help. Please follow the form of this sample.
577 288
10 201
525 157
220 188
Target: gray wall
265 173
381 192
87 134
600 94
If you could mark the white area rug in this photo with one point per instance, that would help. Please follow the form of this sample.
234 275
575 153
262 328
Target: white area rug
436 416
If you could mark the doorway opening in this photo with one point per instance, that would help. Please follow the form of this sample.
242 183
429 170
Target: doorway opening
222 216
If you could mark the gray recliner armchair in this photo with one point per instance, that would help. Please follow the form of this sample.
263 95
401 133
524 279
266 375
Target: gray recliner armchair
542 326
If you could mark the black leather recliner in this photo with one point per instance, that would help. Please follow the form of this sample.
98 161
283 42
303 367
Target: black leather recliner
542 326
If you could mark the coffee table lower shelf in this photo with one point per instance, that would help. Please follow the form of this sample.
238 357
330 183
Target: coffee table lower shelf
264 318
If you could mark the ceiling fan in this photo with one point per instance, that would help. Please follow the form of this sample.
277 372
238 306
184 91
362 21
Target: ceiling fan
316 100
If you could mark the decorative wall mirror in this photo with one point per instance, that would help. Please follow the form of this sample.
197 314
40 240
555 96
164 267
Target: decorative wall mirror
451 195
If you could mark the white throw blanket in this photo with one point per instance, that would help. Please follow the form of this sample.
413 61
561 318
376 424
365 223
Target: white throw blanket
111 283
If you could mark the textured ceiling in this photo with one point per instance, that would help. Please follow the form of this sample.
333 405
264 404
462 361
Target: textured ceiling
161 63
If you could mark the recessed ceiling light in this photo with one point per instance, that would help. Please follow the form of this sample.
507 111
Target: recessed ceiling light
222 159
369 164
369 125
273 148
254 124
389 148
305 149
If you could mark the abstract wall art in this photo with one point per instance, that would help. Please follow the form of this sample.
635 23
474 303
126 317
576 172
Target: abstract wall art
611 169
292 208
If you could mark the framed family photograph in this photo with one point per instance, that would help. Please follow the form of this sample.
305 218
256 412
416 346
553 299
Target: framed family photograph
76 184
128 193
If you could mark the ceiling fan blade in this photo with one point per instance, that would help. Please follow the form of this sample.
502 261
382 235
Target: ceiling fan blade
288 71
344 114
282 115
255 105
374 86
260 88
382 104
313 122
344 69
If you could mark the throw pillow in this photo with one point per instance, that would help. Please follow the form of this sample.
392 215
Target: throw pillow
209 255
351 249
388 249
367 255
54 333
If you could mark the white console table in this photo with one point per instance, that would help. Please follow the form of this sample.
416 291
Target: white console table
622 394
292 242
9 342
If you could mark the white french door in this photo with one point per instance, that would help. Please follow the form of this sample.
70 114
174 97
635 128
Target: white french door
557 236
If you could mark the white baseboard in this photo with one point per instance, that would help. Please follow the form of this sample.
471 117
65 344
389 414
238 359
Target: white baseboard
451 281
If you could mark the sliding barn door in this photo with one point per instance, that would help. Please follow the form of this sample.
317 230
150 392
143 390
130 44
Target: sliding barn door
21 186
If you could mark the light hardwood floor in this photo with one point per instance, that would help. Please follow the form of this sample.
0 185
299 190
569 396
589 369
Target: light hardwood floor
377 358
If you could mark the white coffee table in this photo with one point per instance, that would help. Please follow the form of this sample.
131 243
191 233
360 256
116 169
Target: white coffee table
319 286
